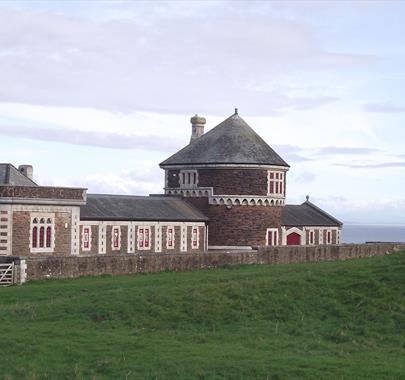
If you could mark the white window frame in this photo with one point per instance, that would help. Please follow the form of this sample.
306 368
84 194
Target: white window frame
46 217
83 238
141 243
118 248
197 235
188 178
168 228
275 237
279 181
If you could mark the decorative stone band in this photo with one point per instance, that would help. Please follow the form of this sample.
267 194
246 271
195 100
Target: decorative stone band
228 200
42 195
191 192
241 200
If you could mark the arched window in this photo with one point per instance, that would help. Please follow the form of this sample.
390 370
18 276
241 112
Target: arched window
48 236
42 234
35 237
41 237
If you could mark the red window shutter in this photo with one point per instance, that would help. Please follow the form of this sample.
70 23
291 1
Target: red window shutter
146 237
270 238
195 237
276 187
116 235
86 238
140 237
170 237
271 187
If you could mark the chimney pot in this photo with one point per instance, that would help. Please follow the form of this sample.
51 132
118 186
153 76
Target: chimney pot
197 127
27 170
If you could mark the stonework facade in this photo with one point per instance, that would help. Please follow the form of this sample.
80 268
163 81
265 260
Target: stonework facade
226 189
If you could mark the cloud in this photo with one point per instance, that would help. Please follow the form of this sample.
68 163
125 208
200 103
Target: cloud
304 177
162 58
140 182
337 150
91 138
291 153
383 108
382 165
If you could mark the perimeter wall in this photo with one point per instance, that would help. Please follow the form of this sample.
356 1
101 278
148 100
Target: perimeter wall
75 266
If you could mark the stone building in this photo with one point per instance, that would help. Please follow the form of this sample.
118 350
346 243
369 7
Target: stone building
239 182
225 189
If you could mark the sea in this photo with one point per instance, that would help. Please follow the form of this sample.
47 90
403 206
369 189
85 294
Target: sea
362 233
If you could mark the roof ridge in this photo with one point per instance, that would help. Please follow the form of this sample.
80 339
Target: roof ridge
310 204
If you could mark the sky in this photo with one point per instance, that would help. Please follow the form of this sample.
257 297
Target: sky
97 94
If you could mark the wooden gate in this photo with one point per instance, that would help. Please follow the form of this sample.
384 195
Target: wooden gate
6 274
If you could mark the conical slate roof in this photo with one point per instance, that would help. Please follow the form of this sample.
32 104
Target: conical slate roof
231 142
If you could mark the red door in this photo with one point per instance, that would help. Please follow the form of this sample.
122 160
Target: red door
293 239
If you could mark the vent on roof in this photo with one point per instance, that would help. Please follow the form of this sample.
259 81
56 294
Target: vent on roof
27 170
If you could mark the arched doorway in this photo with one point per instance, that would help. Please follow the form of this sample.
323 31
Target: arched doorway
293 239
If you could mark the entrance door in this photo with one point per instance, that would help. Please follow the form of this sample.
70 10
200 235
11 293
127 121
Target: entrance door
293 239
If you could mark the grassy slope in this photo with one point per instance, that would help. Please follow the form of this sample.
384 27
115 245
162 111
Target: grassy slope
342 320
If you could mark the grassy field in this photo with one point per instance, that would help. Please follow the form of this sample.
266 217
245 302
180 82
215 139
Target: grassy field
341 320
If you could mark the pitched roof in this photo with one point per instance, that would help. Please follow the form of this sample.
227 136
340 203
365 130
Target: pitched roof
307 214
10 175
132 208
231 142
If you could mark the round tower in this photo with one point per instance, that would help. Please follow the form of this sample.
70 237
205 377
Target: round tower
235 178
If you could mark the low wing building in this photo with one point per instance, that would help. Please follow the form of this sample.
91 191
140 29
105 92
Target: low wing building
225 189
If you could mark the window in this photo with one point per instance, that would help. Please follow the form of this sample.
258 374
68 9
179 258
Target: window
328 237
42 234
170 237
188 178
194 238
86 238
116 238
311 237
272 236
276 183
143 237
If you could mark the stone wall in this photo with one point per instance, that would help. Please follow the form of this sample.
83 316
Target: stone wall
42 192
238 225
70 266
21 232
234 181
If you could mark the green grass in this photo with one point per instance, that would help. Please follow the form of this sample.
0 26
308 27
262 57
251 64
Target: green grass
340 320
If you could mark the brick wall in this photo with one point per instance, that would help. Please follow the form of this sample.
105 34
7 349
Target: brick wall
239 225
234 181
21 233
62 267
227 181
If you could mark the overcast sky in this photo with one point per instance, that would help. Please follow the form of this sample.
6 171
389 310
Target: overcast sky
96 94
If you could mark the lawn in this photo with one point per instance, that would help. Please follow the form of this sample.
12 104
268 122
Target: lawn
332 320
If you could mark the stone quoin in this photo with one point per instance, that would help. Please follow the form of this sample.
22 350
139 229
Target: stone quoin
225 189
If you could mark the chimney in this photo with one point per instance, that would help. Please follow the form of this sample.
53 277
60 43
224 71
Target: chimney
27 170
197 127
